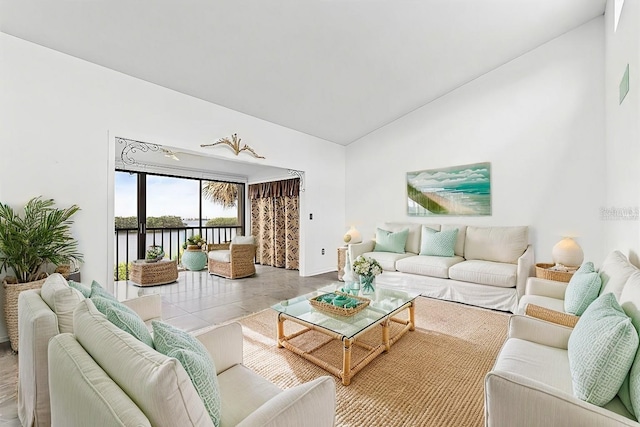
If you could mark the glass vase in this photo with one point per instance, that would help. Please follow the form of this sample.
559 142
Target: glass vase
368 284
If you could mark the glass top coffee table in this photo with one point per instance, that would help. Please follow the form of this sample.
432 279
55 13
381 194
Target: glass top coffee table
384 306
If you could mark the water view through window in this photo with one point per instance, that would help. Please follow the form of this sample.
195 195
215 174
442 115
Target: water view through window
166 210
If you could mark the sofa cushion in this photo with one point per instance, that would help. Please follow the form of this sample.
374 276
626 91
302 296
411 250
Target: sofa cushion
159 384
614 272
542 301
243 240
77 374
438 243
485 273
434 266
61 299
601 350
498 244
222 255
388 241
413 238
582 289
239 381
387 260
195 360
546 364
462 234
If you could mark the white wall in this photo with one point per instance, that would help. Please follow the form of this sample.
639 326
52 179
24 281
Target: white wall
538 119
59 116
622 129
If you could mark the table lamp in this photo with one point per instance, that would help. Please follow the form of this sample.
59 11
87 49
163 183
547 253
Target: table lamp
567 253
352 236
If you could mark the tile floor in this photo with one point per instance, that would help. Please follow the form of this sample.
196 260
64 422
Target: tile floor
195 301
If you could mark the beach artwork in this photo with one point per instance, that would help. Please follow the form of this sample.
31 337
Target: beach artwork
457 190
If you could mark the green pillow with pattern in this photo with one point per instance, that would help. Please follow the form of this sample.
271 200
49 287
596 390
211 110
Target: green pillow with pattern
131 323
438 243
98 291
195 359
84 290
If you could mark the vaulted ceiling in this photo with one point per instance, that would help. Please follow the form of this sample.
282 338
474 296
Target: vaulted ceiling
335 69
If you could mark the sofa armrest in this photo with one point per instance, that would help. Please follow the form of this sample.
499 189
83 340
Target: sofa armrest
539 331
552 316
224 344
309 404
357 249
546 288
514 400
526 267
148 307
37 325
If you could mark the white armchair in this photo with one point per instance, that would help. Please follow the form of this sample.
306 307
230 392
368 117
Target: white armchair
38 323
530 384
106 377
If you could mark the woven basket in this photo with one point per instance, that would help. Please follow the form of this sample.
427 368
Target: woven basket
341 311
543 272
12 291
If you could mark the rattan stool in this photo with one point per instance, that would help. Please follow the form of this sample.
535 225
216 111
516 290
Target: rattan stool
153 273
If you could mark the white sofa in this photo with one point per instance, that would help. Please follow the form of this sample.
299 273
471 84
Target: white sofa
106 377
489 269
614 273
38 323
530 383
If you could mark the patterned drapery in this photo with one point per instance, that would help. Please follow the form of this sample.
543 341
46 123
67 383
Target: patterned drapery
275 222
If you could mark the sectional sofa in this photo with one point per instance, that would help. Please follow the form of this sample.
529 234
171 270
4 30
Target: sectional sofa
489 266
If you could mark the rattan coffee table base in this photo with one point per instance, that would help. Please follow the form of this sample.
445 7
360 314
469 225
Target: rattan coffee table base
347 372
153 273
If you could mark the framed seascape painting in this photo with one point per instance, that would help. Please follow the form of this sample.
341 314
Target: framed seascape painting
456 190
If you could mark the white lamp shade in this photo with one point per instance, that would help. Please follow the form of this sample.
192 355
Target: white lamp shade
352 236
568 253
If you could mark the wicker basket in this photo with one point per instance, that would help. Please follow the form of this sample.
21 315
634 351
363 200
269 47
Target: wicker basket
12 291
543 272
341 311
553 316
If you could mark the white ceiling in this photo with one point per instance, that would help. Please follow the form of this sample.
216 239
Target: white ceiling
335 69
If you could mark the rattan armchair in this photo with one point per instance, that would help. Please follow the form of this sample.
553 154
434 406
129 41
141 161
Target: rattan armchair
232 260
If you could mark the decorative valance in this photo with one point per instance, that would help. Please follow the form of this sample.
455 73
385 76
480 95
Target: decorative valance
287 187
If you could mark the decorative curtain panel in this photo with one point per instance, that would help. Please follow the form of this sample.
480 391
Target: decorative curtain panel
275 222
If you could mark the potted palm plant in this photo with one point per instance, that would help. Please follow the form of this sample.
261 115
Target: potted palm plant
29 243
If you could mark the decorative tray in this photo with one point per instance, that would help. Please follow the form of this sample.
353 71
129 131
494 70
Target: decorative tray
352 305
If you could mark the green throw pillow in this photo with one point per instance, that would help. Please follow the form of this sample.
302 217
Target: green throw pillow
582 289
85 291
195 359
131 323
386 241
601 349
438 243
99 291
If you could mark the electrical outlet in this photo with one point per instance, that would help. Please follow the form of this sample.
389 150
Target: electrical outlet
322 251
310 216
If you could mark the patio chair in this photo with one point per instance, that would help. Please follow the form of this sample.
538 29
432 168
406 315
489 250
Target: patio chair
233 260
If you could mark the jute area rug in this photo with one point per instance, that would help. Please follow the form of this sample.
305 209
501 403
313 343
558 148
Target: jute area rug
433 376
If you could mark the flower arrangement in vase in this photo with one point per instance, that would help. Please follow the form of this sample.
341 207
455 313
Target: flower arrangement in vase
368 269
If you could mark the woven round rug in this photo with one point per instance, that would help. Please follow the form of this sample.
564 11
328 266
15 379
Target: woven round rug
433 376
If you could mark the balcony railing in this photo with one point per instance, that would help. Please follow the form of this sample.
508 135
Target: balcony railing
171 240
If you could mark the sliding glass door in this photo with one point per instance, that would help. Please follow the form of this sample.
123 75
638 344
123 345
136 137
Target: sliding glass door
163 210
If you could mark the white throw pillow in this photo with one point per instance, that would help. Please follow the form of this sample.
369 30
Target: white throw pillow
61 299
243 240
